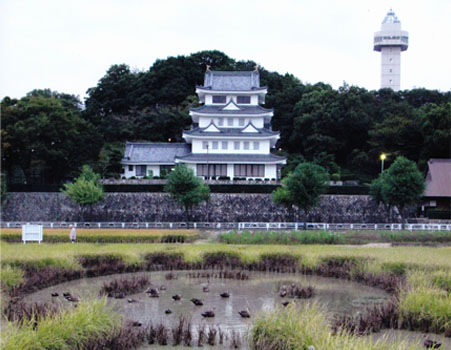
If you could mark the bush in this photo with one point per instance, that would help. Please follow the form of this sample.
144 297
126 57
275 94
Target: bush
438 214
335 177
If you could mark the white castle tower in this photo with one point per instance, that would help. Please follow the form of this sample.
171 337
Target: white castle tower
390 41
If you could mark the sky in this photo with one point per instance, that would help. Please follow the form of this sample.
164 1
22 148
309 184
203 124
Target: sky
67 46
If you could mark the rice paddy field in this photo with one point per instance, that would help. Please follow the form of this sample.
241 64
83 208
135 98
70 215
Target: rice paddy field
417 280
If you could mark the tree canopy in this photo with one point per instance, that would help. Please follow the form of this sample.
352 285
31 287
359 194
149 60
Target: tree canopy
303 187
186 188
47 135
401 185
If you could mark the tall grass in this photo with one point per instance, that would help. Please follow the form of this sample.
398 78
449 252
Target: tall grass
10 276
307 328
70 329
108 236
292 237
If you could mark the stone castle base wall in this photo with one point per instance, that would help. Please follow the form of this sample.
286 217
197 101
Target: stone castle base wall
158 207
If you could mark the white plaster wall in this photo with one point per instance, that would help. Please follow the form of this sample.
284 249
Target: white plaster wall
263 149
257 121
271 171
192 166
128 174
230 171
209 99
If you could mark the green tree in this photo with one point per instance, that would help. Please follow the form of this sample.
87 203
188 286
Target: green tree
283 197
303 187
186 188
110 156
85 191
402 185
44 135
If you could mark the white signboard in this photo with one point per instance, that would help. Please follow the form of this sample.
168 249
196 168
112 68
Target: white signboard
31 233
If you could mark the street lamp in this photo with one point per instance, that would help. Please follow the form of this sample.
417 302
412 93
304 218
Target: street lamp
383 156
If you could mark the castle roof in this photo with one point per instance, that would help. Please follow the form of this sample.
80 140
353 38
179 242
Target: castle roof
215 109
438 179
153 153
232 81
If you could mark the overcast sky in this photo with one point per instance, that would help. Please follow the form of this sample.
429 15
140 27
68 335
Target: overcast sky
67 46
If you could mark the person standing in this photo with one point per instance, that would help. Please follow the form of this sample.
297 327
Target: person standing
73 233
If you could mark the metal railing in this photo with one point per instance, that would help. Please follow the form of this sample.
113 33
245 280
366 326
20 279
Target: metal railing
235 225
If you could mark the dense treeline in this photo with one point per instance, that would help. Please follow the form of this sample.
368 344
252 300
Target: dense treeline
47 136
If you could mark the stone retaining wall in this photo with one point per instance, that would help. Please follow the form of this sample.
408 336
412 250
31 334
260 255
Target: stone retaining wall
158 207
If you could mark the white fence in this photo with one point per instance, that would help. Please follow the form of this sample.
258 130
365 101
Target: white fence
238 225
31 233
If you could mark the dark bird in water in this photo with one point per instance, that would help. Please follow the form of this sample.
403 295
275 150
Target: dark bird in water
205 289
136 324
283 293
197 302
208 314
168 311
66 294
177 297
132 300
225 294
55 294
431 344
285 303
120 296
72 299
153 292
244 313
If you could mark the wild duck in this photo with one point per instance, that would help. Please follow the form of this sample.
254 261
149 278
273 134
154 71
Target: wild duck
285 303
197 302
244 313
136 324
225 295
431 344
55 294
205 289
132 301
168 311
208 314
177 297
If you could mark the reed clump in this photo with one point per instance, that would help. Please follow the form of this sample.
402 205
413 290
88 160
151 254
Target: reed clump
308 328
73 328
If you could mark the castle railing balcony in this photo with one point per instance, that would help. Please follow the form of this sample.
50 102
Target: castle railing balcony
394 40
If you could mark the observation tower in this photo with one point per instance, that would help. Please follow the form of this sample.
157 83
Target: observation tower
390 41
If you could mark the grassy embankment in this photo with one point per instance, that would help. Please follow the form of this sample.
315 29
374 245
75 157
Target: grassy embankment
425 299
93 235
337 237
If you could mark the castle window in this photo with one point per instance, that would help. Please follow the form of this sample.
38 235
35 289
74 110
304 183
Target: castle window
243 99
221 121
215 145
246 145
204 144
141 170
256 145
236 145
249 170
230 121
219 99
390 70
225 145
130 168
241 121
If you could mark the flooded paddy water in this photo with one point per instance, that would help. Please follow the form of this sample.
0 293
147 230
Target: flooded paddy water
260 292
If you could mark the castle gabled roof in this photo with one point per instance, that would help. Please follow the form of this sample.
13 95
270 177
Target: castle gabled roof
153 153
215 109
246 131
232 81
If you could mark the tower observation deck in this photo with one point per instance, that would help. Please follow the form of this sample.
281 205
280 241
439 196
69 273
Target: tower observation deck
390 41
